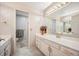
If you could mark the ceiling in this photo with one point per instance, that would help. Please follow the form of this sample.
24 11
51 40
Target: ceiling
40 6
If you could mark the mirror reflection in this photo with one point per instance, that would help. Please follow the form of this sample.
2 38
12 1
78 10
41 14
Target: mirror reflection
67 24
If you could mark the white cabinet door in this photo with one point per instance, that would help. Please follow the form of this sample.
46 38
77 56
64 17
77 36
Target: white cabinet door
69 52
38 43
56 52
43 46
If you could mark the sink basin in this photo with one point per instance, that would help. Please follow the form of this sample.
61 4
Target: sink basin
1 39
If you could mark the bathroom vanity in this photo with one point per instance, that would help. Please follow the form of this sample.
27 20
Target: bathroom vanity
63 29
50 45
5 45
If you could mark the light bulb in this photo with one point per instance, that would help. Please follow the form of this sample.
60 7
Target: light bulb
55 7
58 5
63 2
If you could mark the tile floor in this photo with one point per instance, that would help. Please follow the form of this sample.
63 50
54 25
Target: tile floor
22 50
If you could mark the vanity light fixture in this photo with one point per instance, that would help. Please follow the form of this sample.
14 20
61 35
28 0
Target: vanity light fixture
55 7
64 3
52 10
59 6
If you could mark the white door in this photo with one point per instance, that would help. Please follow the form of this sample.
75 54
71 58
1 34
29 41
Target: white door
21 23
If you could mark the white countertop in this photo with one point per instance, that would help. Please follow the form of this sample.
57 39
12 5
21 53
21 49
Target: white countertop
5 37
65 41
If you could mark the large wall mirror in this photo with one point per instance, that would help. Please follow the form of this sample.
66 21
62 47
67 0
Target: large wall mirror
66 22
70 25
65 25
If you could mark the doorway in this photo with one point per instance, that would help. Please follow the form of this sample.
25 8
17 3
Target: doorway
21 29
53 26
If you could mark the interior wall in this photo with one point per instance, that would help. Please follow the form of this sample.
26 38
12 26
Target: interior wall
22 7
31 20
75 25
69 10
35 22
8 14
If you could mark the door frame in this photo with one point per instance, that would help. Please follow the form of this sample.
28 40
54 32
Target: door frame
28 36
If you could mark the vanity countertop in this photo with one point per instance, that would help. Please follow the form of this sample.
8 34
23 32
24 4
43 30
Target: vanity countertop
63 40
4 39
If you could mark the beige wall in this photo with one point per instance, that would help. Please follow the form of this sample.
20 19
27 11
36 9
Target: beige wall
32 21
75 25
8 15
35 22
22 7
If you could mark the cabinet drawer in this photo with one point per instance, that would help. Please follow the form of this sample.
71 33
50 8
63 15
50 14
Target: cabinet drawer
55 45
69 52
